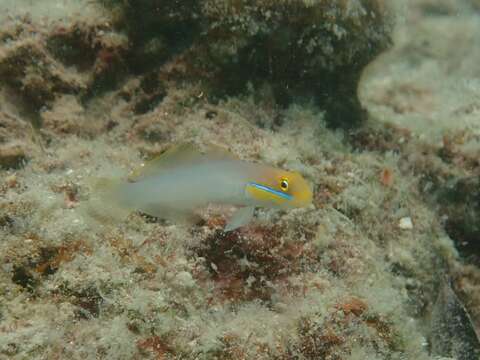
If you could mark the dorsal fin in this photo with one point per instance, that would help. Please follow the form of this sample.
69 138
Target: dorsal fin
214 152
179 156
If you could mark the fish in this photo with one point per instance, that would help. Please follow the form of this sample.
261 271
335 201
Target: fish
185 178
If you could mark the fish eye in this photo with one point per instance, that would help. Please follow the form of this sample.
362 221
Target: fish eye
284 184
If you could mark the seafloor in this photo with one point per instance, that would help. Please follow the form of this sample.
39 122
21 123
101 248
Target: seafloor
376 103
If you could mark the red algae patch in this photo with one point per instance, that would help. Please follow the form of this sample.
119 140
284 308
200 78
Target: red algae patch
243 262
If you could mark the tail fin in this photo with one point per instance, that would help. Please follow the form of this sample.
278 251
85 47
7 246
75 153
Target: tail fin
104 204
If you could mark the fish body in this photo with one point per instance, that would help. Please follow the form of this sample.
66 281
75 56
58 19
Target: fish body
184 179
190 186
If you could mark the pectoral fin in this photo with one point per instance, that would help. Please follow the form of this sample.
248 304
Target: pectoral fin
241 217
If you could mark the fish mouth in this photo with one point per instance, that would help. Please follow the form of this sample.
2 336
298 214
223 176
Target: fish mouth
303 199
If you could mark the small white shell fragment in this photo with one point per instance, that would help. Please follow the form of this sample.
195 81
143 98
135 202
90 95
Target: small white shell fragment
405 223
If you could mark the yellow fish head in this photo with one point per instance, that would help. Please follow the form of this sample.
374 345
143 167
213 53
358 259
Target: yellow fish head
280 188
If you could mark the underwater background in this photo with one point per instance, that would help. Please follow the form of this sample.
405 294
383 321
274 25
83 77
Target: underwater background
375 103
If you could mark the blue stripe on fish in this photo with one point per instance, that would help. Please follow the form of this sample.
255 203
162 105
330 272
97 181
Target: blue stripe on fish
271 191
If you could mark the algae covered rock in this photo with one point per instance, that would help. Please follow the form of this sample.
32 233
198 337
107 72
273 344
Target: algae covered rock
32 73
280 49
351 277
12 156
41 62
294 48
